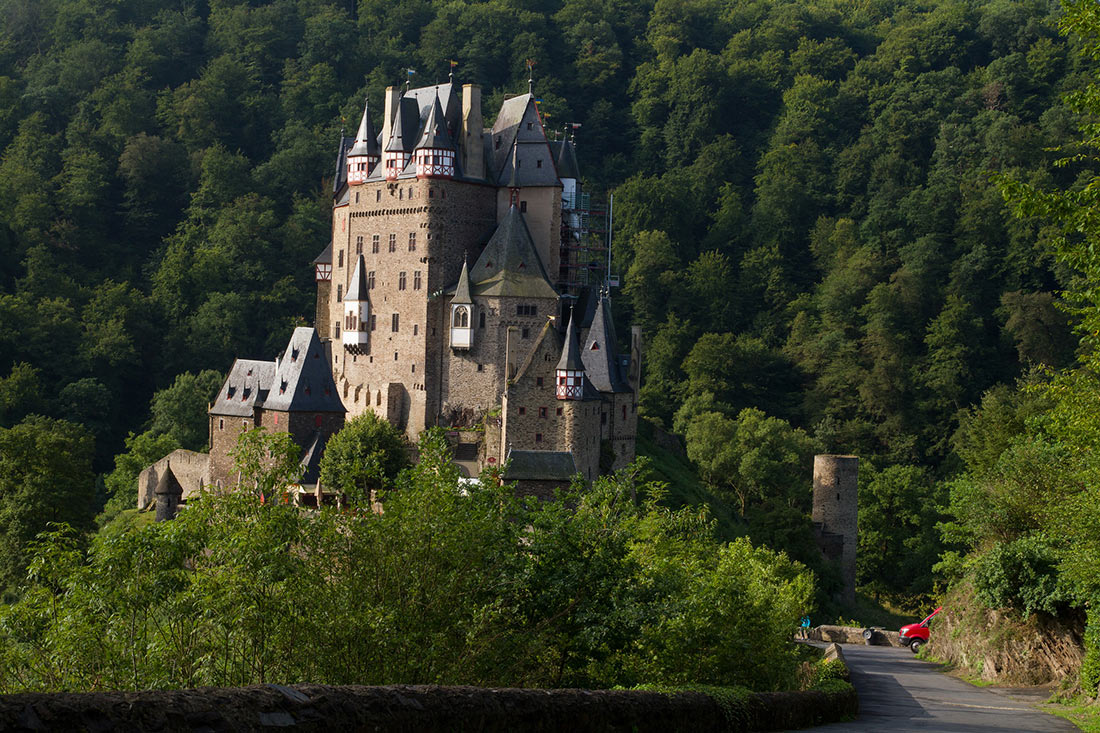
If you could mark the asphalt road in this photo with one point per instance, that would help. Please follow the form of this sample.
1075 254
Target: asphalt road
898 692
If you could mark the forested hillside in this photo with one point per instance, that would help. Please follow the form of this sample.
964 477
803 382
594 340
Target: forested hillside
805 221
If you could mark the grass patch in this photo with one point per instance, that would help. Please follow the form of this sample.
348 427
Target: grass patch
684 486
1084 714
127 520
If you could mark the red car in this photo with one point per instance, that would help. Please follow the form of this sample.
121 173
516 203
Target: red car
915 636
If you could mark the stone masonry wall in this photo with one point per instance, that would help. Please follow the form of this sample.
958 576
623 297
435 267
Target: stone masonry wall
224 430
190 468
836 508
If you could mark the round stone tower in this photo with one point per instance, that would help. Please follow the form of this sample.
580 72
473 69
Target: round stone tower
835 514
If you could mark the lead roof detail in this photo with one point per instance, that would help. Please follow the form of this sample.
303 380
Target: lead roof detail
436 135
571 351
357 288
600 353
510 265
366 141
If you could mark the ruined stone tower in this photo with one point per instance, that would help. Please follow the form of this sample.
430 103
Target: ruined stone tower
835 515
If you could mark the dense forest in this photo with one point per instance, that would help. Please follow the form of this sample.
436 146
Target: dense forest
809 214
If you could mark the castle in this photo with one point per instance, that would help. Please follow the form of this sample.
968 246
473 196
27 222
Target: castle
446 296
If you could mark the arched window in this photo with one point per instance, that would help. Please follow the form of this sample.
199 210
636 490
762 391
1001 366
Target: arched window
461 317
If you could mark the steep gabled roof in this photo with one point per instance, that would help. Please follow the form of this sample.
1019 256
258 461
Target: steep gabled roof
302 380
435 133
509 265
547 341
357 288
245 388
518 133
366 140
325 258
311 459
600 354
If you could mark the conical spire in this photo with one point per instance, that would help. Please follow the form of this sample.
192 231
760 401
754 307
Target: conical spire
366 141
571 350
341 176
357 289
435 134
462 292
396 143
600 353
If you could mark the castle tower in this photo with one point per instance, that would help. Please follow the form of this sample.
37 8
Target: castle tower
604 368
435 152
169 493
364 155
402 138
835 514
356 333
473 147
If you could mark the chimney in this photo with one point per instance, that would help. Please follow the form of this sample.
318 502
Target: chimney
473 155
393 96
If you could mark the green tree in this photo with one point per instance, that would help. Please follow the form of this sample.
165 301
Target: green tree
364 456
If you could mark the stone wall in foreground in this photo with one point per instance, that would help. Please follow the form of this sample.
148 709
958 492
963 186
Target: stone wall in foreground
416 708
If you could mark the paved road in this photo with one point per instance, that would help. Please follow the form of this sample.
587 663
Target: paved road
898 692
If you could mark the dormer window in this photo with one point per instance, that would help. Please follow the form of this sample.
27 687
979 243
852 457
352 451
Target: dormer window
293 355
595 345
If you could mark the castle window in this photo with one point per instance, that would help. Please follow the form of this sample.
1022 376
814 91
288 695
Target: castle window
339 293
481 367
496 143
316 421
400 194
336 330
542 412
559 412
379 400
523 410
529 125
221 423
416 280
595 345
481 319
401 281
370 280
395 356
414 369
444 193
378 195
538 383
624 412
416 329
538 437
359 245
357 193
523 206
538 164
526 332
395 322
410 192
412 241
603 418
393 243
431 193
374 242
373 321
340 258
461 317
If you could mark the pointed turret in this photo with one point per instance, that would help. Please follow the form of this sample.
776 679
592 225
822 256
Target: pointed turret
356 311
569 173
570 369
402 137
510 265
435 151
462 313
600 354
364 155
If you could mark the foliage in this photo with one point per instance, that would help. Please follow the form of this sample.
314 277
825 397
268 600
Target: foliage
364 455
444 586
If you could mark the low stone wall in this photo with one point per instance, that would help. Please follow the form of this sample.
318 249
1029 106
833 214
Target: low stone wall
416 708
854 635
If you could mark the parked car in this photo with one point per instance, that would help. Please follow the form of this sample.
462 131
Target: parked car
915 636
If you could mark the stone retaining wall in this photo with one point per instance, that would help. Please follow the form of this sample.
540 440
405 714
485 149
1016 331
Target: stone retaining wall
854 635
416 708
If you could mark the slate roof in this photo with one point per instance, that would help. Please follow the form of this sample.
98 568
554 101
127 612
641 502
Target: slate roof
168 483
600 354
509 265
357 288
565 158
540 465
435 134
311 459
462 290
303 380
366 140
245 388
406 125
325 258
300 381
571 350
341 177
447 94
512 138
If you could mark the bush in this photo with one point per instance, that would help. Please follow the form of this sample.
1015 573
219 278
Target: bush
1021 575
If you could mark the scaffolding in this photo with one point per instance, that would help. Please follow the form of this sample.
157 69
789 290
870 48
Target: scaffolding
585 243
